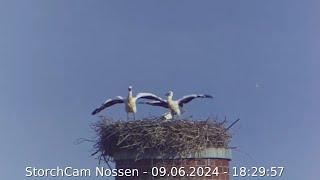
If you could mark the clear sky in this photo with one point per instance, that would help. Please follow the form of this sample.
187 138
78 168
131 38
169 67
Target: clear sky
60 59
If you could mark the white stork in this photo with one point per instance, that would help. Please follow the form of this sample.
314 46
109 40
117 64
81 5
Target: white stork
130 102
175 105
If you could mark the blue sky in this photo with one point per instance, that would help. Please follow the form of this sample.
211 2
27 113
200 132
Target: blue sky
60 59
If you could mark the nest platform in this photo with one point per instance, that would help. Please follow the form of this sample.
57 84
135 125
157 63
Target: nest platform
167 139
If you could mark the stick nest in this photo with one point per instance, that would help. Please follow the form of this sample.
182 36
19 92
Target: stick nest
169 139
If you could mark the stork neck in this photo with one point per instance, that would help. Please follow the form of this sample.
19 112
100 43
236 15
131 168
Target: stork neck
169 98
130 94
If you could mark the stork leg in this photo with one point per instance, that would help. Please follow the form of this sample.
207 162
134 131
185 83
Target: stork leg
127 116
134 116
173 115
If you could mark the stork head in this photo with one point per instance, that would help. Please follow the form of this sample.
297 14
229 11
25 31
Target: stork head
130 88
169 94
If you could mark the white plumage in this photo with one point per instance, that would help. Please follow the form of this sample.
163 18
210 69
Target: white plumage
130 102
175 105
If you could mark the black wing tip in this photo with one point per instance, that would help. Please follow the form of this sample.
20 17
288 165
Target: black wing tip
96 111
208 96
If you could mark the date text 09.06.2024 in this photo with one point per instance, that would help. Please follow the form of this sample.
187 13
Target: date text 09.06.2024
210 171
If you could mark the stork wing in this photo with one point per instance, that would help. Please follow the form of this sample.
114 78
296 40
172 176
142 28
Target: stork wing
186 99
149 96
108 103
162 103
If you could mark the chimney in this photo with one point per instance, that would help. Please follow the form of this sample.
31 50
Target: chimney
157 149
211 163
